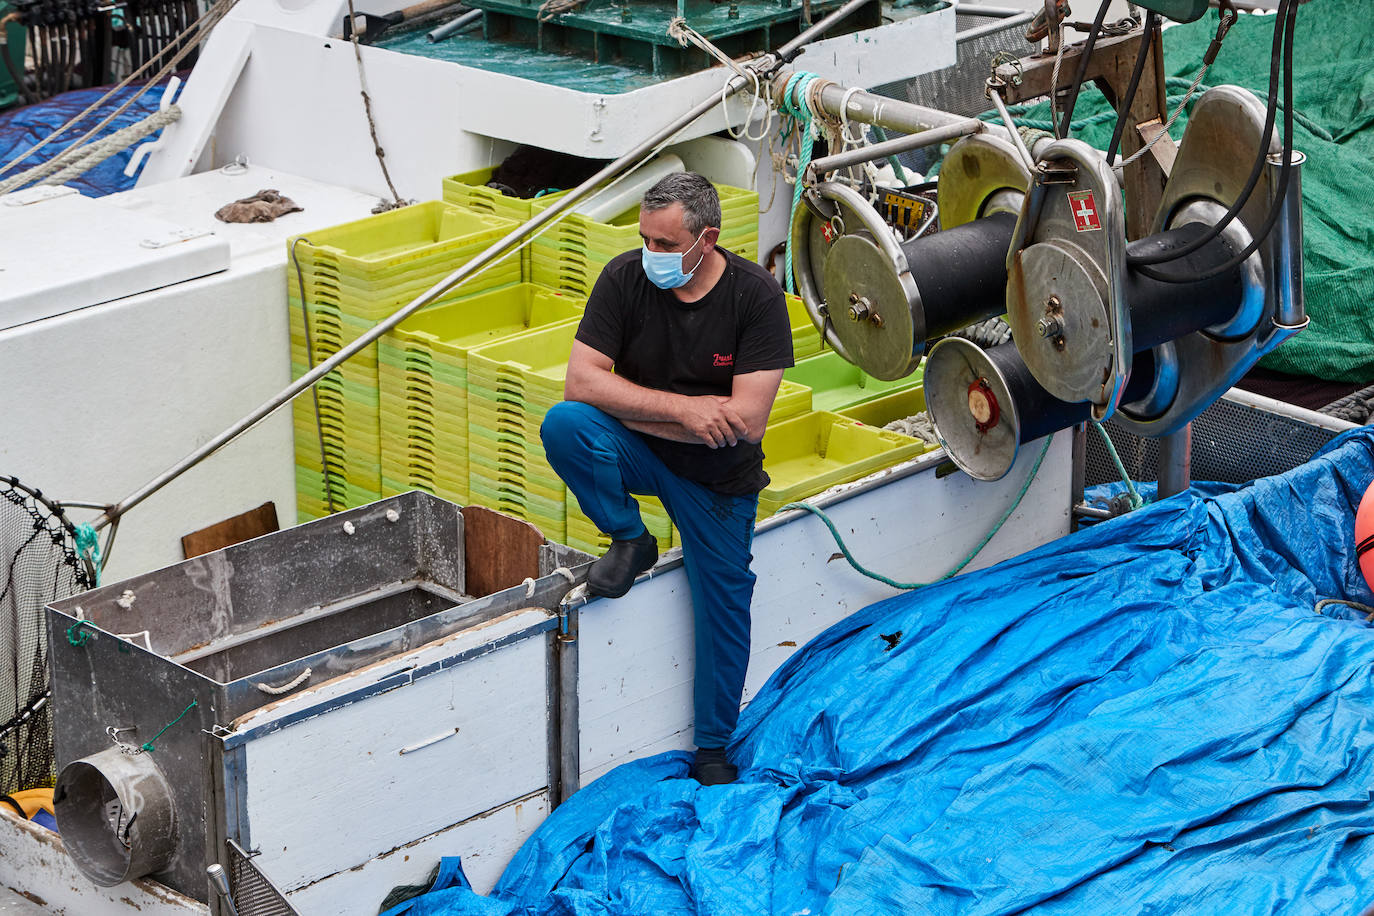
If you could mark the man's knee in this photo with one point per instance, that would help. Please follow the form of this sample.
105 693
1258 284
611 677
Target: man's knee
568 426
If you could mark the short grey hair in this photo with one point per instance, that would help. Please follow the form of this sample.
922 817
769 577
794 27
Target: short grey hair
700 202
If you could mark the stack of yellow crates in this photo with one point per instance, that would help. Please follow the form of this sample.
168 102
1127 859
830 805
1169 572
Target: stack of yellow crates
350 277
423 382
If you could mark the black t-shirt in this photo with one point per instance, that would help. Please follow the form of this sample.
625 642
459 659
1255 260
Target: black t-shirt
692 348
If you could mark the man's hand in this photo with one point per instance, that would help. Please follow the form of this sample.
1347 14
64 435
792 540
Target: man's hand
712 420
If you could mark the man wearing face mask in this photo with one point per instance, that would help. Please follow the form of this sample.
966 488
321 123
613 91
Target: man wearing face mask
672 376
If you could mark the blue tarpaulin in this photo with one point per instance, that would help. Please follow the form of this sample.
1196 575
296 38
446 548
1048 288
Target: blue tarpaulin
1150 716
22 128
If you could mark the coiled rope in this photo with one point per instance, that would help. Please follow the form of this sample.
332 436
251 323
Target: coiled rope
797 106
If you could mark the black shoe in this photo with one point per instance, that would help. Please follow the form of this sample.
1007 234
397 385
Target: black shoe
612 575
712 768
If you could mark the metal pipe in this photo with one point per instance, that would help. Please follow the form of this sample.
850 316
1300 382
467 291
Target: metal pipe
896 145
569 726
498 250
1175 461
1291 314
867 108
454 27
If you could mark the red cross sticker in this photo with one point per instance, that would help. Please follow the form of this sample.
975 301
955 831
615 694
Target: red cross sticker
1084 211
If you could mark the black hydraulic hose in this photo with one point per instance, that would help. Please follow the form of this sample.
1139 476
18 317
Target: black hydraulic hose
1281 194
1147 41
1271 112
1082 68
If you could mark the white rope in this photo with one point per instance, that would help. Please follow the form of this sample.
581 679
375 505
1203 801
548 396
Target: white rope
529 586
187 42
285 688
95 153
566 574
684 34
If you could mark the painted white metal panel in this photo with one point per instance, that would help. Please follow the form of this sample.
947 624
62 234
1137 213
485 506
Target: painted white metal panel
64 252
318 130
34 863
421 757
485 843
636 661
116 393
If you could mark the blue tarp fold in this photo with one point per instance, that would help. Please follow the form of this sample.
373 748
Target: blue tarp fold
1147 717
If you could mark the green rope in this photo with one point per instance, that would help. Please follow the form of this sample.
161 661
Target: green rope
801 115
148 745
892 160
1136 501
77 636
909 586
88 547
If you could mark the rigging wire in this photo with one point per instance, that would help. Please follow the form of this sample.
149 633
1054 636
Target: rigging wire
1287 13
1288 27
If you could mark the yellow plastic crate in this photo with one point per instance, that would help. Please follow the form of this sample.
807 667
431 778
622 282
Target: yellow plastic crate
812 453
806 338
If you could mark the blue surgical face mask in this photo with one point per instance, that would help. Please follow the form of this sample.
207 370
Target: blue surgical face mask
664 268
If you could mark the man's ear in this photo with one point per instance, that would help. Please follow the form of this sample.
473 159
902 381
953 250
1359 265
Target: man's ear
710 237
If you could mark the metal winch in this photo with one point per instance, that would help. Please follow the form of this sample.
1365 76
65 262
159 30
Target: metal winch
1149 331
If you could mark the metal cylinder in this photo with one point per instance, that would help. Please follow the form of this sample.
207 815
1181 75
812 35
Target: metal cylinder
1292 308
116 815
1163 311
961 273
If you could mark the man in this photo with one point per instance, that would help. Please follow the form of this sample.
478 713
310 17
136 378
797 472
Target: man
672 376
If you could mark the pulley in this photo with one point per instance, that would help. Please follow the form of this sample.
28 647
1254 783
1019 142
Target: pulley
878 299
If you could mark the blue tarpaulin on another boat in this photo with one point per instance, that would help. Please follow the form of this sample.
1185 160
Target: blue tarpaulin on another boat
22 128
1148 717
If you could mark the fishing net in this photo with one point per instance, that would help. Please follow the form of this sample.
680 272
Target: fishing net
40 563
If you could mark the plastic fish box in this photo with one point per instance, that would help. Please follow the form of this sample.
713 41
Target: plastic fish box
806 339
809 454
836 383
898 405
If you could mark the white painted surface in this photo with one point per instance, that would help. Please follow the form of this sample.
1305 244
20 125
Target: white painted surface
636 661
34 861
318 128
485 843
475 737
116 393
65 252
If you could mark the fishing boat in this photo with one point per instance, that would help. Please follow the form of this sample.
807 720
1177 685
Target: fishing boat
394 640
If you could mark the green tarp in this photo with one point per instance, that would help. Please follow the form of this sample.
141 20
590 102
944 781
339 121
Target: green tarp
1333 86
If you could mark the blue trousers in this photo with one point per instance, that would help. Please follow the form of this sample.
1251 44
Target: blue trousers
602 462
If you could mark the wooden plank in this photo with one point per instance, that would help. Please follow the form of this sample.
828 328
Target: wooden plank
408 762
499 551
231 531
485 843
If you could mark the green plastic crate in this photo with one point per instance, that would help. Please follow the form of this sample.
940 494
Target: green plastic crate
899 405
812 453
806 339
837 384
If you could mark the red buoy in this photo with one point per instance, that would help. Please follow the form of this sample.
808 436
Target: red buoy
1364 535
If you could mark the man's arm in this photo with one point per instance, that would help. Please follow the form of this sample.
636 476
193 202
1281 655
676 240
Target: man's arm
712 421
751 396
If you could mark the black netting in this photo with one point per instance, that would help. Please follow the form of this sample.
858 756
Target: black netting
39 564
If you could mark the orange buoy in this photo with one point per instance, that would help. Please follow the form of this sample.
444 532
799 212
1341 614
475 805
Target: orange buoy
1364 536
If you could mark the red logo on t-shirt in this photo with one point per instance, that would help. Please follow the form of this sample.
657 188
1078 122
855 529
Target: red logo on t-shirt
727 360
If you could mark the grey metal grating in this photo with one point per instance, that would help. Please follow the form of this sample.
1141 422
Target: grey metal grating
254 894
1237 439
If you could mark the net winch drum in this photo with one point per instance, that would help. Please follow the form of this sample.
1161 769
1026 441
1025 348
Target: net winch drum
1085 320
308 615
876 298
